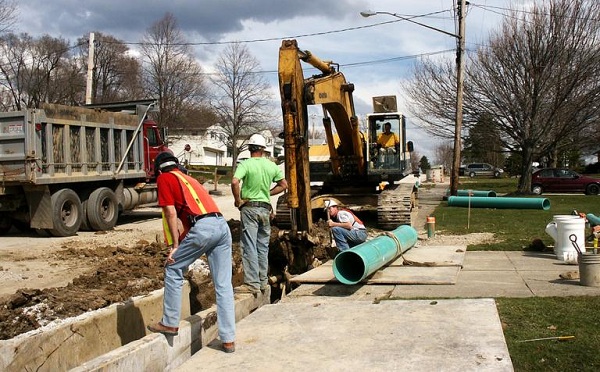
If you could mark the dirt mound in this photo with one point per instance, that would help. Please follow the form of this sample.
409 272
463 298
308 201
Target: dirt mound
116 274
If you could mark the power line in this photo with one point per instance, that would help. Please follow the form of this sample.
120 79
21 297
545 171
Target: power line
426 15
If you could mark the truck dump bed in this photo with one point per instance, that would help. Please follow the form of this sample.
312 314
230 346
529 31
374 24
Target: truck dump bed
68 144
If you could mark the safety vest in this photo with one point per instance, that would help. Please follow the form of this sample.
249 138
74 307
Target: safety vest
190 195
356 219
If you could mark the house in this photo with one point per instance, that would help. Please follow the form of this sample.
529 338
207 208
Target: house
208 147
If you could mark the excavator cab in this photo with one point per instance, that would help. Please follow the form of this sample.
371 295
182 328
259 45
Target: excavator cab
385 144
388 155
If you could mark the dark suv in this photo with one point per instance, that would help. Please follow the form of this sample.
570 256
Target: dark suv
483 169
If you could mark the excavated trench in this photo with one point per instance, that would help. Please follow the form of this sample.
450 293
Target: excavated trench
104 312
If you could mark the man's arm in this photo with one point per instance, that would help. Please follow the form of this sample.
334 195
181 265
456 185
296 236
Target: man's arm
346 225
280 187
171 217
236 191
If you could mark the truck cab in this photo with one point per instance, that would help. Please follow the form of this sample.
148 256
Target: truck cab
153 145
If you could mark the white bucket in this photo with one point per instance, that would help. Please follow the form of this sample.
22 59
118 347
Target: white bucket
552 230
564 247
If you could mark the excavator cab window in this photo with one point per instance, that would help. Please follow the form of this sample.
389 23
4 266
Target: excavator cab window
385 142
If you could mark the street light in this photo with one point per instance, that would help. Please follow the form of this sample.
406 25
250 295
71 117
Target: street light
369 13
459 82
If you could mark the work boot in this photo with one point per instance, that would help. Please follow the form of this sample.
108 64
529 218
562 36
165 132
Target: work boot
246 288
161 328
228 347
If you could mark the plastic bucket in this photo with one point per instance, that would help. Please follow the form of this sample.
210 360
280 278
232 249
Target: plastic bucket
565 227
589 269
552 230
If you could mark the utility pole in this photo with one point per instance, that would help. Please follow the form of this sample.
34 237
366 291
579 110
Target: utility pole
90 71
460 67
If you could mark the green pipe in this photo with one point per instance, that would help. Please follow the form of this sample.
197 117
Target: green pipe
500 203
355 264
593 219
488 193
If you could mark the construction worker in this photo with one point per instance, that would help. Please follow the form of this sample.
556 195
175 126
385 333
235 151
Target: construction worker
347 229
388 145
193 226
253 198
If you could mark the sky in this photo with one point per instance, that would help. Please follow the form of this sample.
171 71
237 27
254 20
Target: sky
376 53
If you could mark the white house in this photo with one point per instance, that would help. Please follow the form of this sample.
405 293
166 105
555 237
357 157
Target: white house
208 148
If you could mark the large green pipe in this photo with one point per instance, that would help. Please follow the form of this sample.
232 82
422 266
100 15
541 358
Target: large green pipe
487 193
355 264
500 203
593 219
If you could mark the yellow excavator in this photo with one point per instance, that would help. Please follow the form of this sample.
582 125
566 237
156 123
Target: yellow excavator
359 173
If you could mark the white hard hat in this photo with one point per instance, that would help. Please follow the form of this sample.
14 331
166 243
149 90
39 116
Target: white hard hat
257 140
330 203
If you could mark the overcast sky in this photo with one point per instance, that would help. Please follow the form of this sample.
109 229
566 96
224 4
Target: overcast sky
374 53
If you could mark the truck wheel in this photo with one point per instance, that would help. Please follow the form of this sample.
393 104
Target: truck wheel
66 213
102 209
472 174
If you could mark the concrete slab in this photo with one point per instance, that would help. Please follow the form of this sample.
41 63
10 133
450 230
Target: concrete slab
441 266
446 255
537 261
325 335
487 261
415 275
470 284
339 292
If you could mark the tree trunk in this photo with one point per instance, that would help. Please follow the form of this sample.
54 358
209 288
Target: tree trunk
525 180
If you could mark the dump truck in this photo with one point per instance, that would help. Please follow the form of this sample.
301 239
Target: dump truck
358 173
66 168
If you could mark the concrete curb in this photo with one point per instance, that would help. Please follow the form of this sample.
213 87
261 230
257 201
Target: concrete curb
68 343
157 352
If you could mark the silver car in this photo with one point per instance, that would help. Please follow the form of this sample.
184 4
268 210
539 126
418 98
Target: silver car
483 169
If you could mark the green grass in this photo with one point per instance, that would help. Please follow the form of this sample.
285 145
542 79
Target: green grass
537 317
514 229
540 317
499 185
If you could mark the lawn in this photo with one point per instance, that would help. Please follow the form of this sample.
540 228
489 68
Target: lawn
514 229
539 317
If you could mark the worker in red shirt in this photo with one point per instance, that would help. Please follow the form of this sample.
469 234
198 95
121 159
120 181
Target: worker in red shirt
193 226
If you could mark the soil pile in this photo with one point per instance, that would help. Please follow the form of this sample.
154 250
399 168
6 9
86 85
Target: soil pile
116 274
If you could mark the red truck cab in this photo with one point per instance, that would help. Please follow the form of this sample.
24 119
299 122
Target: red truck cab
153 145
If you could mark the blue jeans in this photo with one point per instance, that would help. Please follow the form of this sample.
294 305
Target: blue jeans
210 235
346 239
254 242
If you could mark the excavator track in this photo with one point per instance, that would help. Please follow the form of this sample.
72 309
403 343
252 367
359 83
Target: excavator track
395 205
282 213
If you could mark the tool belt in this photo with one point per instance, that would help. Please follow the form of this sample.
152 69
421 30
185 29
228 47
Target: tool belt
194 219
257 204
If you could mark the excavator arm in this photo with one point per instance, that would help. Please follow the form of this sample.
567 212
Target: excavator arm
329 89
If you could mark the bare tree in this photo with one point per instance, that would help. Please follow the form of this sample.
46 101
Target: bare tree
241 96
31 69
537 79
432 92
116 74
8 15
171 73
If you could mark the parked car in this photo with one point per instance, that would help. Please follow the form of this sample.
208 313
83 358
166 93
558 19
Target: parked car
563 180
483 169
